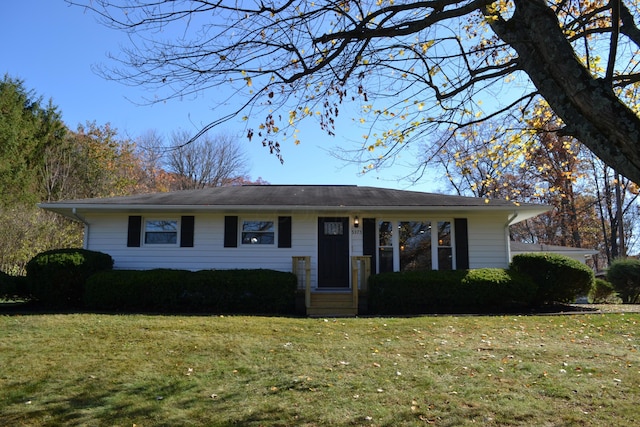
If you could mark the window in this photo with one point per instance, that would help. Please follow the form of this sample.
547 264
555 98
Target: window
415 245
385 246
258 233
445 254
161 232
333 229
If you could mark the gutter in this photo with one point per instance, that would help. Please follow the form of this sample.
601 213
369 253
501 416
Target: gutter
507 236
74 214
85 241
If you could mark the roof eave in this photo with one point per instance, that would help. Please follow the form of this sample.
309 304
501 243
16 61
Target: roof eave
521 213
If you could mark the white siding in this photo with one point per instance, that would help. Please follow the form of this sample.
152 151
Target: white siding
108 233
488 241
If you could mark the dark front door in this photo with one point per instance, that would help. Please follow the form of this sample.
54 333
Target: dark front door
333 252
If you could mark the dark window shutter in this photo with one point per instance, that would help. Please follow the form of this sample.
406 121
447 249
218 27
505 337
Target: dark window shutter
133 231
462 243
284 231
186 231
230 231
369 240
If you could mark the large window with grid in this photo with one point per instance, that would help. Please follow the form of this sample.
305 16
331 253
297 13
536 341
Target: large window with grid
415 245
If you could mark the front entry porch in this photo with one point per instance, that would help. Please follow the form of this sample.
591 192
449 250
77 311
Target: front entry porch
333 302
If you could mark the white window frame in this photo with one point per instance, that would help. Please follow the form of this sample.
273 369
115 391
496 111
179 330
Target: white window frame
241 232
160 219
395 237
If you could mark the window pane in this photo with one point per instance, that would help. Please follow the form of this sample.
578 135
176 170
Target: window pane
386 231
257 238
258 233
415 245
444 233
162 225
259 226
333 229
445 259
161 232
385 260
385 246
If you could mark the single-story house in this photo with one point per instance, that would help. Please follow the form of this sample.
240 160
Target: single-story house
329 235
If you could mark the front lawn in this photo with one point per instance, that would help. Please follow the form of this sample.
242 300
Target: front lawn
125 370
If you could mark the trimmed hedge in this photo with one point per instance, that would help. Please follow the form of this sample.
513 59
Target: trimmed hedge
559 278
57 277
435 291
624 275
602 292
12 287
212 291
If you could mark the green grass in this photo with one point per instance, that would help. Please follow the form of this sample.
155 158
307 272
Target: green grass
94 370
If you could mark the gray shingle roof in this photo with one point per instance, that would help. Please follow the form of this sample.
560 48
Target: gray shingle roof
290 196
284 198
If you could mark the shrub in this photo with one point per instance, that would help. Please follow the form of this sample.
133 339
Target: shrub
411 292
559 278
602 292
419 292
212 291
497 288
57 277
12 287
624 275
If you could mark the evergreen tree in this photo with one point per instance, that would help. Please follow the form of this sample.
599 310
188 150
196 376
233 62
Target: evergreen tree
27 128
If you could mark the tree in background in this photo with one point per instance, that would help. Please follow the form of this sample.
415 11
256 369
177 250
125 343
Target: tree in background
41 159
590 203
109 165
479 160
150 150
209 161
93 161
27 129
413 68
616 203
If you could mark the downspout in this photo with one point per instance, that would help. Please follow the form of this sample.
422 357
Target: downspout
507 236
85 241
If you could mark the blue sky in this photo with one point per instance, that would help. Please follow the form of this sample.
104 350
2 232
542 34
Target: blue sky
52 47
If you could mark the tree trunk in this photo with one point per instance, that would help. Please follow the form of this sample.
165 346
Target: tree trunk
619 218
588 106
